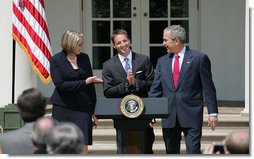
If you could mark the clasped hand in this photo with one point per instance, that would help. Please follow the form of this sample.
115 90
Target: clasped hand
131 79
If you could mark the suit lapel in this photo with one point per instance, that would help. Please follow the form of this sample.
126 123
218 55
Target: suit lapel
134 62
119 66
168 64
188 57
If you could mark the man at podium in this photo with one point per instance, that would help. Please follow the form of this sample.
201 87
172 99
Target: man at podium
128 73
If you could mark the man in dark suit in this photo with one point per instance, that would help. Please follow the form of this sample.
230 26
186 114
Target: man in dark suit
184 76
122 78
31 105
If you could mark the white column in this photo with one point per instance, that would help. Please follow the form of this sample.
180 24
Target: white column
5 54
248 22
25 77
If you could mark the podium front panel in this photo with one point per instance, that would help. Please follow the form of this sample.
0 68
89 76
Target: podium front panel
109 108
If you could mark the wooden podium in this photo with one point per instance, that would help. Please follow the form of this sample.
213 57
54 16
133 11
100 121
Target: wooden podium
109 108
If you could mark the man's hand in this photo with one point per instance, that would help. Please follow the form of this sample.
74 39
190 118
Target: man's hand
152 122
208 149
130 77
212 122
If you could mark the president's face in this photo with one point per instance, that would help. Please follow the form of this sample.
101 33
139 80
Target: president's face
122 44
168 43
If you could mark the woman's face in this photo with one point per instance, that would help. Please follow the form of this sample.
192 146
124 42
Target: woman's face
78 47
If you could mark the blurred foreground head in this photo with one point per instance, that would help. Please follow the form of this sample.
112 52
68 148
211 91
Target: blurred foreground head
65 138
41 130
238 142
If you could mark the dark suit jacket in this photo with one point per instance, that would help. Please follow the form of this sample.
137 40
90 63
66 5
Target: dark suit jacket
114 76
116 86
70 88
186 101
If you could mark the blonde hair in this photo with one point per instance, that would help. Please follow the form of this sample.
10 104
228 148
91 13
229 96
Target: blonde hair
70 40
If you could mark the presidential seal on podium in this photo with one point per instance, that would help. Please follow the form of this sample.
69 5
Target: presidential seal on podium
131 106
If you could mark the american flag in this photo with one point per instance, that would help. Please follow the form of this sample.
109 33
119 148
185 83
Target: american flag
29 29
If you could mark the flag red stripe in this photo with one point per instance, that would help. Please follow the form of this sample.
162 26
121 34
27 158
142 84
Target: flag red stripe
43 71
34 36
42 3
30 7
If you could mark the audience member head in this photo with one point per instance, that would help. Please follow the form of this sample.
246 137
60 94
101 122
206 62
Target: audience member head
65 138
31 104
238 142
41 130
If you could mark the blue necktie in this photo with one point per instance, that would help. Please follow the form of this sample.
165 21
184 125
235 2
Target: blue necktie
127 65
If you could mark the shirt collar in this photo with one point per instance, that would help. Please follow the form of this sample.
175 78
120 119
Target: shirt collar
121 57
181 53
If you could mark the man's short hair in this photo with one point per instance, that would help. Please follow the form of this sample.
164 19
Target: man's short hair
176 31
31 104
118 32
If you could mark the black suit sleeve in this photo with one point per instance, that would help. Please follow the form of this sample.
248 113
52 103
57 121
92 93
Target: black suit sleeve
58 75
208 85
114 86
143 84
156 88
91 86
